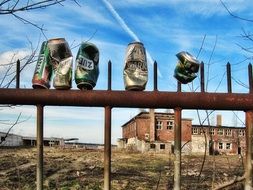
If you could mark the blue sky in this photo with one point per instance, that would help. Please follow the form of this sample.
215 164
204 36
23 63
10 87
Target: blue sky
164 27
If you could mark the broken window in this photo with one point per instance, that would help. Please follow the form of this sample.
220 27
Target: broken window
162 146
241 132
220 132
228 146
220 145
152 146
195 131
159 125
211 131
170 125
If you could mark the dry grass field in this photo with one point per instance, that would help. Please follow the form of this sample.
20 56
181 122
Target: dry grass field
75 169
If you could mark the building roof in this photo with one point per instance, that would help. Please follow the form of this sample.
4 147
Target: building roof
218 127
146 115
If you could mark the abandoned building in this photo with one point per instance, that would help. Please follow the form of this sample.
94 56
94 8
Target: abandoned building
150 131
13 140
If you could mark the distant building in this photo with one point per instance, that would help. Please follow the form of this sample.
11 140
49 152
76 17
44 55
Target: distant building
150 131
8 140
219 139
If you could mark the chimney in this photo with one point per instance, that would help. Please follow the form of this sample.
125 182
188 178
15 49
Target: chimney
152 125
218 120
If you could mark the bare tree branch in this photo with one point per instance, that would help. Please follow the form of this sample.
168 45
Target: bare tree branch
8 7
7 133
233 15
232 182
30 5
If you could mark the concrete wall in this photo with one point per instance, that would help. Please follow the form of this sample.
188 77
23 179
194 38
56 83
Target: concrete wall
11 140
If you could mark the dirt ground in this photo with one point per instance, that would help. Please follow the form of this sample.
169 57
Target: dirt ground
75 169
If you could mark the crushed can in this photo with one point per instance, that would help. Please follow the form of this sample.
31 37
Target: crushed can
186 68
61 60
87 66
135 71
43 70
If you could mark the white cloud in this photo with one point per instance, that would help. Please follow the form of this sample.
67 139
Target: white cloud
199 7
12 56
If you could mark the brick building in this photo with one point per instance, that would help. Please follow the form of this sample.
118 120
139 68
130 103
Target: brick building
150 131
153 131
219 139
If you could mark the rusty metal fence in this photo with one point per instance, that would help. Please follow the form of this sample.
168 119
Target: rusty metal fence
131 99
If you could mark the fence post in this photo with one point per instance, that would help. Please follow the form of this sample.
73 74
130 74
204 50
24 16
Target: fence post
107 136
39 168
177 149
249 140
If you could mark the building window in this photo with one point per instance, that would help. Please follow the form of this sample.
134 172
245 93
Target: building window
2 139
220 145
170 125
146 136
241 132
220 132
162 146
211 131
195 131
228 146
152 146
159 125
228 132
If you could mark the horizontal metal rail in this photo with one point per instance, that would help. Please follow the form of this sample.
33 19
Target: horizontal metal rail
154 99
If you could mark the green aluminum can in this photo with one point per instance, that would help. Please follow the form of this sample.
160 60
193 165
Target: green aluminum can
87 70
43 70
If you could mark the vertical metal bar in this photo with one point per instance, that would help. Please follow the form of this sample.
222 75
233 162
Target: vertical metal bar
250 78
109 75
229 78
177 148
107 149
249 139
202 77
249 146
39 174
179 88
107 137
18 74
155 76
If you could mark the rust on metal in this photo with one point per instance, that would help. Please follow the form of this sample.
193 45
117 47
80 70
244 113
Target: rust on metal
177 148
249 147
107 149
102 98
39 167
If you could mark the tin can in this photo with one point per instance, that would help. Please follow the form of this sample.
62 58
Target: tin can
135 72
43 70
87 70
61 60
186 68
